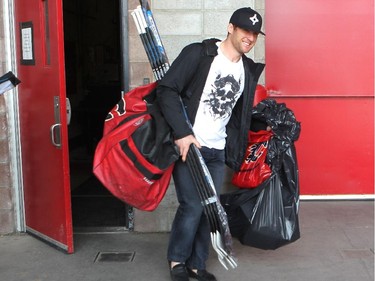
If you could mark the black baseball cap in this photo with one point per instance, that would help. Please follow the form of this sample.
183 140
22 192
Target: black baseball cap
248 19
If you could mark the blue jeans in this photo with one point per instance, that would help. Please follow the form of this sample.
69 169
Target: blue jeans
190 234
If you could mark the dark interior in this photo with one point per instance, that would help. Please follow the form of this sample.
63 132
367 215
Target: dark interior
93 65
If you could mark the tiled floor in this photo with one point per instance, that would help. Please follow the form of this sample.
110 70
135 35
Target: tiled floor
337 243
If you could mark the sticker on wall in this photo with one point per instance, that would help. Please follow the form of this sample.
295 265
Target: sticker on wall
27 43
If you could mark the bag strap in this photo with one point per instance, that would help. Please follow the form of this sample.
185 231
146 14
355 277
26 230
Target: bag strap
140 167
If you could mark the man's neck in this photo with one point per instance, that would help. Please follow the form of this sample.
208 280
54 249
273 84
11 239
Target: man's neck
229 51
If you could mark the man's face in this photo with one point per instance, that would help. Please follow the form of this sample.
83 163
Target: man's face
242 40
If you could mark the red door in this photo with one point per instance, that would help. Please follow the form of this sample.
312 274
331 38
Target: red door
320 62
43 120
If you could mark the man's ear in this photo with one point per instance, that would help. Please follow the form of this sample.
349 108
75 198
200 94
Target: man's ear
230 28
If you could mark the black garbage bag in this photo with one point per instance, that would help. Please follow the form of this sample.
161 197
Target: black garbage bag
273 221
266 217
239 206
285 127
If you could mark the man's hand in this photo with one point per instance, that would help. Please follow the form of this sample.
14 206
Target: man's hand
184 143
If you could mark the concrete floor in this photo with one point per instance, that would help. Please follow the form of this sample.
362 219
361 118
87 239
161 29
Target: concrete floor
337 243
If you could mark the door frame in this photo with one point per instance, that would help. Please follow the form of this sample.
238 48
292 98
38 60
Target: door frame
13 120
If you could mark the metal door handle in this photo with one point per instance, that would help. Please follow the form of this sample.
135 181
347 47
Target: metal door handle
68 111
55 135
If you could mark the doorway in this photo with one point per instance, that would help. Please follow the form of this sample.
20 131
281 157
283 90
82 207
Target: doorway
92 64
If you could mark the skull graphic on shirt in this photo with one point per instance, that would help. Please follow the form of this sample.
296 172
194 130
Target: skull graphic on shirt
223 95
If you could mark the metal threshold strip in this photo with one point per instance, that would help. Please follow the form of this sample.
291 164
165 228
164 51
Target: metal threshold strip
100 230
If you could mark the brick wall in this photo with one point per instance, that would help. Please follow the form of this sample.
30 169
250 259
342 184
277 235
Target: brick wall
184 22
181 23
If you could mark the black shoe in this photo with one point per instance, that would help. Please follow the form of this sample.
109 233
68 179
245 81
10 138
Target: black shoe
179 273
202 275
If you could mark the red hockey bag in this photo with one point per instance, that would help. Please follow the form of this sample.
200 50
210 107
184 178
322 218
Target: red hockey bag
254 169
135 158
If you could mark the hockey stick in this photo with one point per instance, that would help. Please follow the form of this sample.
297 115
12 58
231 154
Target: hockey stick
149 46
208 209
207 189
199 181
152 41
142 35
207 205
151 24
219 224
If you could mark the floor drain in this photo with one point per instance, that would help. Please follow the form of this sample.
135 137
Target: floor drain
115 257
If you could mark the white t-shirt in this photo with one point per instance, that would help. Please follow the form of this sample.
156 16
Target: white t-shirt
224 86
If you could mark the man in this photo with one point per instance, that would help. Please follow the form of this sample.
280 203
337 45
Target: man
216 82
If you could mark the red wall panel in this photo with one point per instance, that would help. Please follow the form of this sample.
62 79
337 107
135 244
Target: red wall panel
320 62
321 47
335 151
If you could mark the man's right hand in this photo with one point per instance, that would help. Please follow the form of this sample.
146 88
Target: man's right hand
184 143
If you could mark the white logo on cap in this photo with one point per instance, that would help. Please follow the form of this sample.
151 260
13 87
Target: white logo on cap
254 19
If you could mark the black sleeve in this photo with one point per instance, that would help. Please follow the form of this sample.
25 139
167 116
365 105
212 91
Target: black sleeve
174 84
171 108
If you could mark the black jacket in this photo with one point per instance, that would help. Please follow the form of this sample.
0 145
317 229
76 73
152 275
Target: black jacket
187 77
